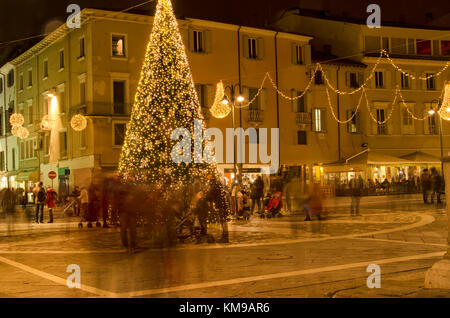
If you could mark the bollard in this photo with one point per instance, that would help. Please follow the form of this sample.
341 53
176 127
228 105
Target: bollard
439 275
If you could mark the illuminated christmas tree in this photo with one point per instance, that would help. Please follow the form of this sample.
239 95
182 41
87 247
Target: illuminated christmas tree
166 100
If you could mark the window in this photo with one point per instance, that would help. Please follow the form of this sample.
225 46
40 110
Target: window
436 48
82 93
1 85
2 161
30 113
201 93
22 150
411 47
431 125
119 134
252 92
298 54
381 128
83 139
198 38
9 112
398 46
63 144
300 106
61 59
354 79
379 80
47 144
252 48
82 53
404 79
353 127
21 82
119 97
318 79
10 78
1 122
407 120
319 120
386 44
30 78
301 137
423 47
118 45
445 48
45 106
45 69
372 44
431 82
14 159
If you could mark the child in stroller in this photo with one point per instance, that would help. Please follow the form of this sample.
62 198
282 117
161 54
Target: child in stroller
243 206
273 205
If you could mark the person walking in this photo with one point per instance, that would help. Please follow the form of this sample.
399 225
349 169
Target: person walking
436 185
356 186
257 193
75 194
425 181
84 200
41 196
51 202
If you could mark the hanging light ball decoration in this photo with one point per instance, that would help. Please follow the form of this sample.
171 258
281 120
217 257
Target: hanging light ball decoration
14 130
78 122
221 107
22 133
444 112
16 120
46 123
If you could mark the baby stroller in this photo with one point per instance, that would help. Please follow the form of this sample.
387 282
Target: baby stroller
91 216
273 205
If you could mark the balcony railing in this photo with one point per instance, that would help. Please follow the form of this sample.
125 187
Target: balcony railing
255 116
303 118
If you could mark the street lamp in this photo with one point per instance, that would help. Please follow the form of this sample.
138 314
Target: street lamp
239 98
432 112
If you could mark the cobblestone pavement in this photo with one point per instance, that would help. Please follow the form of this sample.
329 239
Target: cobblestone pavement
282 257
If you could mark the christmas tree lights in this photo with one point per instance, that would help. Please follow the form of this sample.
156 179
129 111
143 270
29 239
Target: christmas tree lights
165 100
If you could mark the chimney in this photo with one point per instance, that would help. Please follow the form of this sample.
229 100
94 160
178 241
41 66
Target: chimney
327 49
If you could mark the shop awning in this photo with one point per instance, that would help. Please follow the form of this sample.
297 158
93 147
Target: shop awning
369 157
28 176
422 157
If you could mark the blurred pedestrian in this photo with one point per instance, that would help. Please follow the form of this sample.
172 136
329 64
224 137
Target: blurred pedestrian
105 202
41 197
201 211
436 184
425 181
356 187
51 202
257 193
77 206
314 206
84 201
127 209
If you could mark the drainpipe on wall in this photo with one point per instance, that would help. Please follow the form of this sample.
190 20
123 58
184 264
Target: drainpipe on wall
6 123
338 113
278 99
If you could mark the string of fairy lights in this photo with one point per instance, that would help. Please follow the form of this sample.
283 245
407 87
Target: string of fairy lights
221 107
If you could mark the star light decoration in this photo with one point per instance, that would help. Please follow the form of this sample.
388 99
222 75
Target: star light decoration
165 100
219 109
78 122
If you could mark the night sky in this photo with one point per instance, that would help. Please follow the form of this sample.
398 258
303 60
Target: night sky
23 18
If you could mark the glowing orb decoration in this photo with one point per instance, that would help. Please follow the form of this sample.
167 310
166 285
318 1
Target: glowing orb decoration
14 130
220 109
444 112
46 123
22 132
16 120
78 122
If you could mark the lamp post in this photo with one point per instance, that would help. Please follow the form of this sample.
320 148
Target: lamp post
232 102
432 112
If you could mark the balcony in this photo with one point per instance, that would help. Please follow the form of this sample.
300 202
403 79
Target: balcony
303 119
255 116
